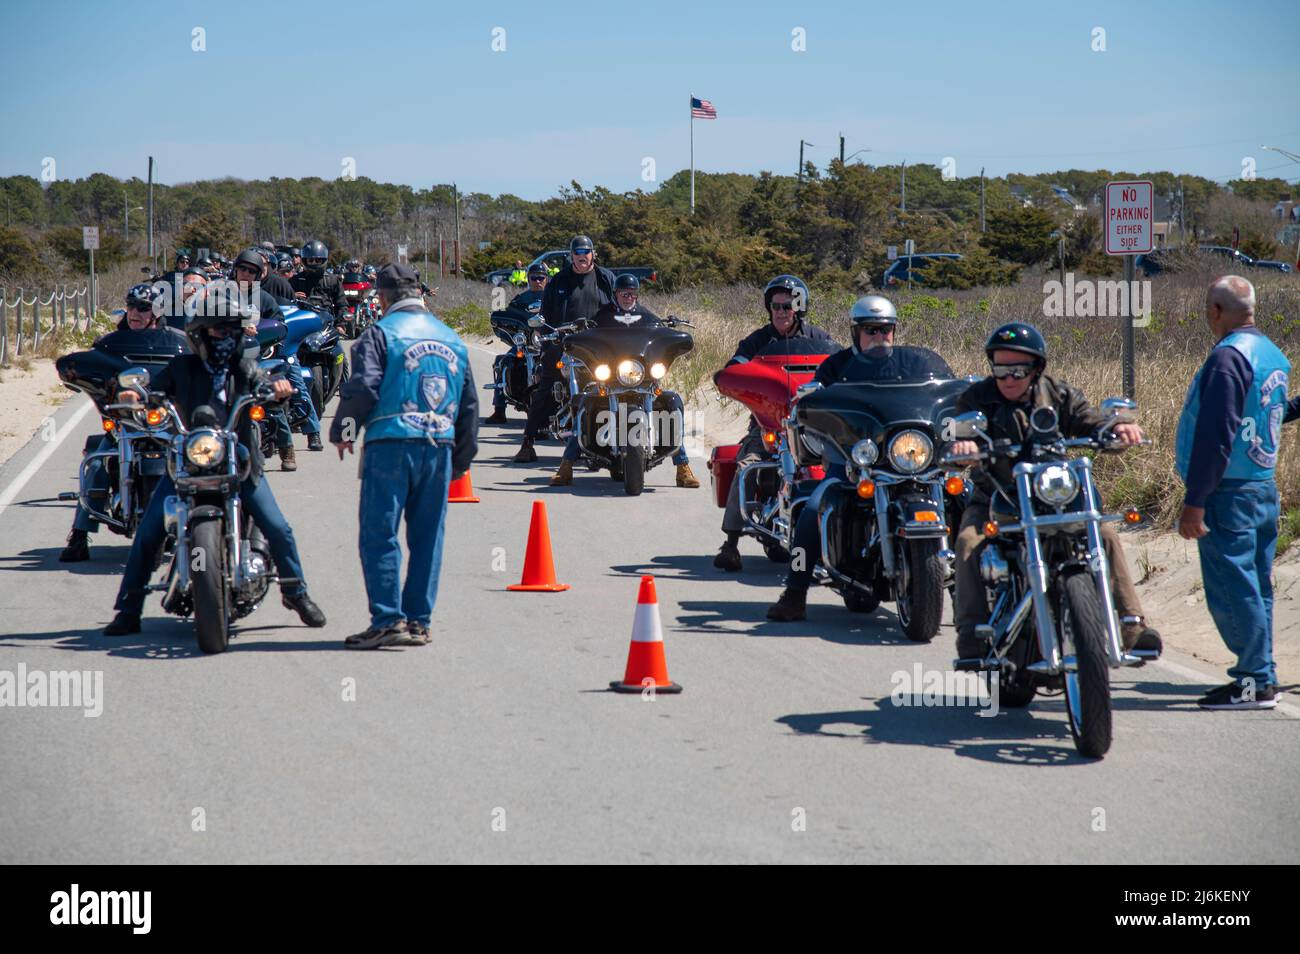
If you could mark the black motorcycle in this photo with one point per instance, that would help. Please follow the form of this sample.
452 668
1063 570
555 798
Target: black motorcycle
1052 622
120 468
886 525
516 371
220 566
612 397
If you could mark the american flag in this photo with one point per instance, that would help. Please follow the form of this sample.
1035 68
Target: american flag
702 109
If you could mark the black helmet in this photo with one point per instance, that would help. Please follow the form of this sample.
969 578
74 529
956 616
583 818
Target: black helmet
627 281
581 243
352 265
792 284
369 270
538 269
315 249
1018 336
142 295
222 306
294 251
252 258
282 261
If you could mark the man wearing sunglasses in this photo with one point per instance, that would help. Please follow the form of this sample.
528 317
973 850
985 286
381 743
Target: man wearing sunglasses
580 290
1019 383
524 305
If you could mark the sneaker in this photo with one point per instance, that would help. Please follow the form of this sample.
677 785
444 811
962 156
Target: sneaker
1233 696
685 478
728 557
124 624
373 638
313 442
498 416
526 453
792 606
287 459
417 634
78 547
306 609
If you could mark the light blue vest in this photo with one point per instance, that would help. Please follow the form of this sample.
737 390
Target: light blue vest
423 376
1254 447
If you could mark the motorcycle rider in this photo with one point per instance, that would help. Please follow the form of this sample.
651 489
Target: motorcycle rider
786 300
284 268
519 277
141 315
529 302
219 372
1018 384
624 312
873 322
250 269
580 290
315 279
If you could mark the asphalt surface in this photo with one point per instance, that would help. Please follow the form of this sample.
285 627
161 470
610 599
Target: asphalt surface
500 742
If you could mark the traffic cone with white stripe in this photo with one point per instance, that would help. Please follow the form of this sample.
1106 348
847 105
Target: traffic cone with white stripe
646 665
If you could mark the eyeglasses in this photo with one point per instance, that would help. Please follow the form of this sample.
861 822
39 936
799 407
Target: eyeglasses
143 309
1019 371
873 330
778 306
579 252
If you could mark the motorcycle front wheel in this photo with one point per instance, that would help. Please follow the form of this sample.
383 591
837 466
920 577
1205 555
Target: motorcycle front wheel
1087 687
208 585
633 471
920 590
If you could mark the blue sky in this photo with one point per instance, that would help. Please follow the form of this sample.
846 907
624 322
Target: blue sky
415 93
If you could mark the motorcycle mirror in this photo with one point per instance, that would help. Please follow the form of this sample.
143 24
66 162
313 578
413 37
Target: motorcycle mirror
536 322
204 416
1044 420
133 379
807 387
1119 409
966 426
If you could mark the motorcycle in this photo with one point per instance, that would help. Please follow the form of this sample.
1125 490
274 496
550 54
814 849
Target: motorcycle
312 343
885 529
767 384
612 399
516 372
1052 623
361 309
220 566
119 470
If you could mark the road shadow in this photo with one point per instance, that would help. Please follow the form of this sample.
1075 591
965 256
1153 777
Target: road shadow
165 637
588 485
830 623
104 560
758 571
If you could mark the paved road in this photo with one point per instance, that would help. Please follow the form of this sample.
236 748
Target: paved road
785 745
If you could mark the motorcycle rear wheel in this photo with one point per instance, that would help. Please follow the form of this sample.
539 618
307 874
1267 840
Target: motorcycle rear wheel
1087 689
208 586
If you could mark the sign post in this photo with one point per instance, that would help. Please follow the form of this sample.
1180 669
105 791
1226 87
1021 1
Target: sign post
1128 233
90 242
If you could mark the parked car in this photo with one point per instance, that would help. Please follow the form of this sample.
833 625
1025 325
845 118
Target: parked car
914 266
1241 258
1272 265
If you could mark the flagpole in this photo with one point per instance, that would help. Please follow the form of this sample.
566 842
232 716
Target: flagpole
692 112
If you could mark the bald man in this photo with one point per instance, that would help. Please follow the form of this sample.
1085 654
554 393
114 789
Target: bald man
1226 452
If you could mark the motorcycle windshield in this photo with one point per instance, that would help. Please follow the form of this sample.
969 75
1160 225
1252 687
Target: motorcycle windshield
270 332
847 413
612 345
93 371
299 322
766 384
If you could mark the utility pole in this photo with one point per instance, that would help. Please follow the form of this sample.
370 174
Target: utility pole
981 200
456 196
284 234
125 215
903 193
150 203
801 160
841 148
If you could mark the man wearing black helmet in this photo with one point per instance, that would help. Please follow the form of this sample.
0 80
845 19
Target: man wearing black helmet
580 290
786 300
143 313
313 280
626 311
1019 383
221 370
527 302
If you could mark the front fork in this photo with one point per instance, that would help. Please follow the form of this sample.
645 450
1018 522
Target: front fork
1049 645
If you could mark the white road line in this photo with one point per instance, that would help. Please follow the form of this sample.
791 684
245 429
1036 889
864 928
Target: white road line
16 485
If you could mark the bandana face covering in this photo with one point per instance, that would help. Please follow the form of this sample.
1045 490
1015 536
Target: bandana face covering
220 351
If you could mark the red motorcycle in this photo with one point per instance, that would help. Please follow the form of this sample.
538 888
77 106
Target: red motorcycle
775 488
361 305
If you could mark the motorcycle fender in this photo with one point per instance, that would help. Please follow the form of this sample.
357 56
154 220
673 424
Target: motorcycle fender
918 518
206 512
153 466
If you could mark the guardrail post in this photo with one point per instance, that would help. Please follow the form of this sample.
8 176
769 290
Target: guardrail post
18 325
4 328
36 321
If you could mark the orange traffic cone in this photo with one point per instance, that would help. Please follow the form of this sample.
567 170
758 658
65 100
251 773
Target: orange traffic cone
461 491
539 569
645 656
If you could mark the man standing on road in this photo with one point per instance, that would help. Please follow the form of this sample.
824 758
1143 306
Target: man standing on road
1226 453
412 390
580 290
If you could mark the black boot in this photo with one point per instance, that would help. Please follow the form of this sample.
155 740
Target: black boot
969 646
526 453
307 610
728 557
123 625
498 416
78 547
792 606
313 442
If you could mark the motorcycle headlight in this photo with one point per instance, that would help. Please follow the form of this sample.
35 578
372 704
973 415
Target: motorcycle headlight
519 339
864 453
204 449
658 370
601 372
631 373
910 451
1056 485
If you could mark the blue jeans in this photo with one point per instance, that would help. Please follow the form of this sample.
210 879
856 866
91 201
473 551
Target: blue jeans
1237 569
302 402
411 478
98 481
260 504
